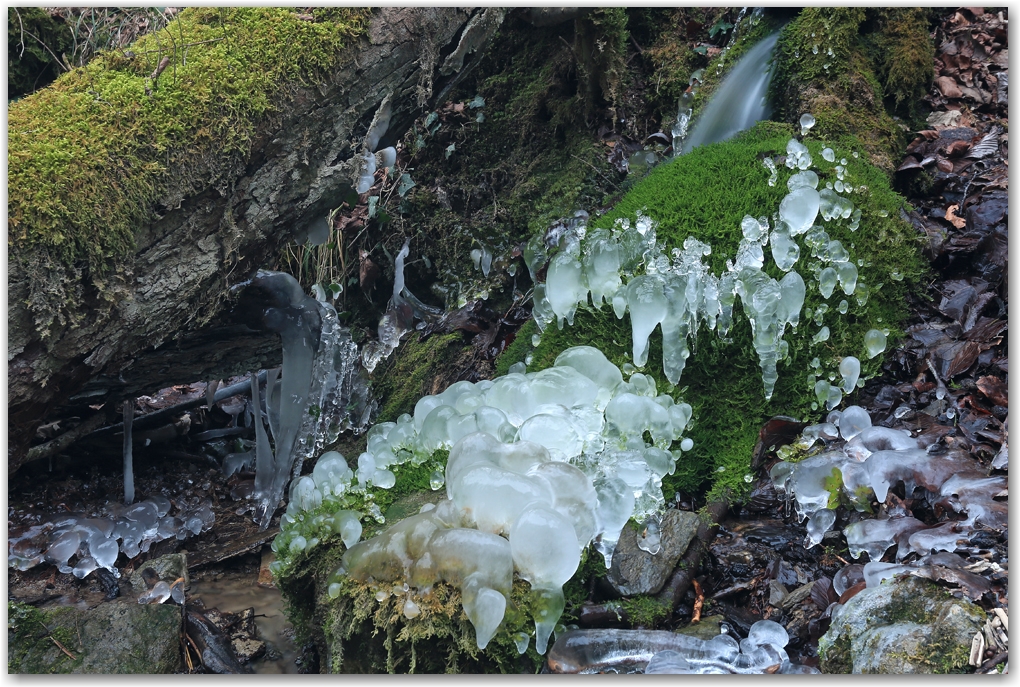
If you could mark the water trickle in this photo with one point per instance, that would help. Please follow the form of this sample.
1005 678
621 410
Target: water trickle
739 101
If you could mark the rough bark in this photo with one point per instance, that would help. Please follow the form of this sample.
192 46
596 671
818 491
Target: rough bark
147 325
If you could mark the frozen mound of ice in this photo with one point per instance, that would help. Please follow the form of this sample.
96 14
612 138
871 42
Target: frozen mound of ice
628 268
662 652
547 462
869 461
78 544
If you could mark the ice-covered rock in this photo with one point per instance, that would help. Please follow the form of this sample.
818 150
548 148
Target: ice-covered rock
897 627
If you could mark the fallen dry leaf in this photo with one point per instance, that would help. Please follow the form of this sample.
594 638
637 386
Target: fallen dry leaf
958 222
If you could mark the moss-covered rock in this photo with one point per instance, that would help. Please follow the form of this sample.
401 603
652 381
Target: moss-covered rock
842 64
121 637
908 626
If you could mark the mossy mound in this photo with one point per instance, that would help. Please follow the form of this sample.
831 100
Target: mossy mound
356 632
366 635
705 194
91 155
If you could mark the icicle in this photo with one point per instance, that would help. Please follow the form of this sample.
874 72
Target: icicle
129 473
264 459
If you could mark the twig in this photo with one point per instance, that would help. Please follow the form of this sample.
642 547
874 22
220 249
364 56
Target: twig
159 69
597 171
195 647
153 418
51 448
22 25
63 648
699 601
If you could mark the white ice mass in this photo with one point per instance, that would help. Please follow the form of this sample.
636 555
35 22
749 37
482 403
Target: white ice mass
545 462
864 463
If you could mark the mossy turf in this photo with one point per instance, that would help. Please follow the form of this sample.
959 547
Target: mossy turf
705 194
91 155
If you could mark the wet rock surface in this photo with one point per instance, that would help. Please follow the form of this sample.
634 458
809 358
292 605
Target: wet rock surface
119 637
908 626
635 570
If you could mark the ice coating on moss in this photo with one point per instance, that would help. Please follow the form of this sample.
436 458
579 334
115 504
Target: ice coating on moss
629 268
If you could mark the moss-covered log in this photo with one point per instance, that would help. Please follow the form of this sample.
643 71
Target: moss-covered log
145 184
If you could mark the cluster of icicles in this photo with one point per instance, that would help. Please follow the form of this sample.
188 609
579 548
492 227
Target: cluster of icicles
868 461
308 401
93 543
629 269
541 464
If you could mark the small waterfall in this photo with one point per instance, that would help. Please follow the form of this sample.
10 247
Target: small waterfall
739 101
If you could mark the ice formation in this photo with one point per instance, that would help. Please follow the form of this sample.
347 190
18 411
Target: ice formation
395 322
628 268
663 652
79 544
545 462
129 469
311 401
863 464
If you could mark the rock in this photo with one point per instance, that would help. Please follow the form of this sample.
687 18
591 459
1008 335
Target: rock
247 648
117 637
638 572
907 626
708 628
168 568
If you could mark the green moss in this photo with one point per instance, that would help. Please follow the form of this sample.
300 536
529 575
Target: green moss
403 378
111 638
646 611
530 162
29 633
705 194
364 635
904 55
91 155
840 89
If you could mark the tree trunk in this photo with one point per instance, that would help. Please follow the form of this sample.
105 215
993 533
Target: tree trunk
160 318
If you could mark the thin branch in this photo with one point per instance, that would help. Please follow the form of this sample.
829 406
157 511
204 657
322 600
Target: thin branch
22 25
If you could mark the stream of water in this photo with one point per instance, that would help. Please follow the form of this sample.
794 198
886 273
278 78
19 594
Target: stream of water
739 101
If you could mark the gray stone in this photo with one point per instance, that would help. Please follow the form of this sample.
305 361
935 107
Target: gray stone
707 628
638 572
169 568
117 637
906 626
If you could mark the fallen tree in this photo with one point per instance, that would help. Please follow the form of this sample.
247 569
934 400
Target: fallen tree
147 183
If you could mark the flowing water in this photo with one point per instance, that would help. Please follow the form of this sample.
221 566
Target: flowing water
739 101
234 592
